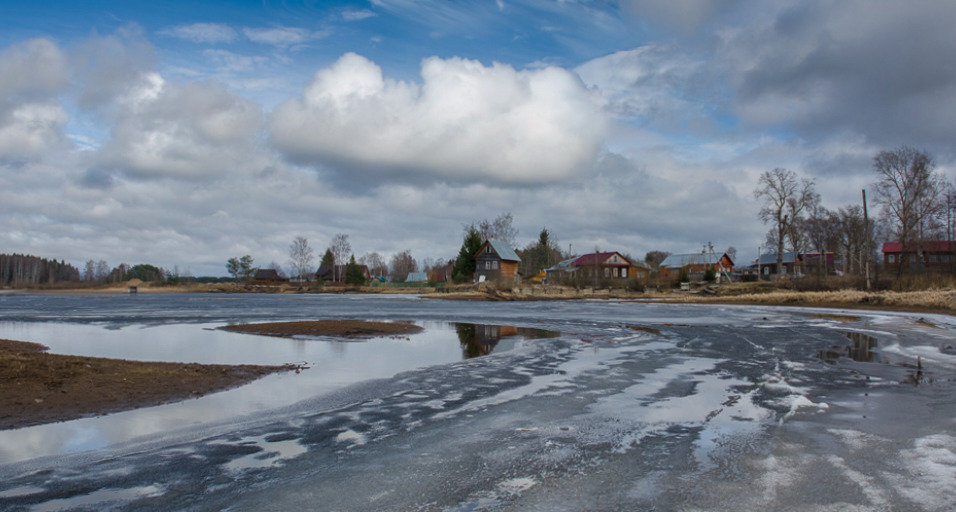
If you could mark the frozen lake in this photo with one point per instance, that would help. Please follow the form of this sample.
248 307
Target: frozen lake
500 406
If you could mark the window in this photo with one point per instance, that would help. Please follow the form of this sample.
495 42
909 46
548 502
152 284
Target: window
933 258
494 265
624 272
891 258
607 272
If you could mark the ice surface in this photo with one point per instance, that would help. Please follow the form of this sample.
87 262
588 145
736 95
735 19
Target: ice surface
728 408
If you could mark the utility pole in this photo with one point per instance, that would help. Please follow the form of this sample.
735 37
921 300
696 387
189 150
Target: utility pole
866 226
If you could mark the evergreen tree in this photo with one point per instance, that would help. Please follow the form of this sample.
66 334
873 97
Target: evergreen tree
465 264
353 273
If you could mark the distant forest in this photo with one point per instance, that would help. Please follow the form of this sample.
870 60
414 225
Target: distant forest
24 269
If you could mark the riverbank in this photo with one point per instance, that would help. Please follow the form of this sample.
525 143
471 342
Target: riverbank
40 387
941 300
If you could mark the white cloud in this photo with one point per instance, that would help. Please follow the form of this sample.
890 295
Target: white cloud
357 14
465 121
234 62
32 75
29 130
203 33
190 131
281 36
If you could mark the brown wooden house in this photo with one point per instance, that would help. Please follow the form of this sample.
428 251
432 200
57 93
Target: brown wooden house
608 265
268 275
496 261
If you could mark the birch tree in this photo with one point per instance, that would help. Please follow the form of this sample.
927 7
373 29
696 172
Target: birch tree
301 257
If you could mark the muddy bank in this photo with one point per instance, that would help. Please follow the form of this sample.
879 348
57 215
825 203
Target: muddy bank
38 387
341 328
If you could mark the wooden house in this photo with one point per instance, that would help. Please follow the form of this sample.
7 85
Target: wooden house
935 255
695 263
496 261
792 264
608 265
268 275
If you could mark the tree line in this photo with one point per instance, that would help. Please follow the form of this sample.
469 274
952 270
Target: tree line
911 197
27 270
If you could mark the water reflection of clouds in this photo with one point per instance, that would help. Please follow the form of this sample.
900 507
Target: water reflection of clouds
333 365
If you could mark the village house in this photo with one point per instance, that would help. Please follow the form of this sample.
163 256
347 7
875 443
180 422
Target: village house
268 275
695 264
496 261
792 264
935 254
609 265
561 272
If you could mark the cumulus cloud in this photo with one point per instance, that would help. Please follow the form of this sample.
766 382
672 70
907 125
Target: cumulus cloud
32 75
202 32
190 131
109 67
465 121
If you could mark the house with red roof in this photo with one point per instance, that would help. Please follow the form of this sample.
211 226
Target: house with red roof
935 254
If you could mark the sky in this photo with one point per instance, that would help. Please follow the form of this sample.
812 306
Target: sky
182 133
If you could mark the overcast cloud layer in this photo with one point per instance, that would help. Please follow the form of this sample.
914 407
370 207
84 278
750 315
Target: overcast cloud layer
162 139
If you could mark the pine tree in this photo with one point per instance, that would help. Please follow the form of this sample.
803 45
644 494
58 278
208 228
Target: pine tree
465 264
353 273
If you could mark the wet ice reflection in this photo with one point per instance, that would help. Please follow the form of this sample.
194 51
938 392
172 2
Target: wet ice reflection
333 366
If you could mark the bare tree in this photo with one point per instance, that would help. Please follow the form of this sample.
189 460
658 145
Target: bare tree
402 264
911 194
89 272
785 198
375 263
654 258
341 248
732 253
499 229
301 257
102 270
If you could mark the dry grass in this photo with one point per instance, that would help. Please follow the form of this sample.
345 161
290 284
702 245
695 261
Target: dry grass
943 300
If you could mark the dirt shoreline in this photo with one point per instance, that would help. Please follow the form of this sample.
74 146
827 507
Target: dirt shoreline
39 387
355 329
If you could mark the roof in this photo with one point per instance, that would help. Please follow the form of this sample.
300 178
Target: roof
683 260
416 277
503 250
771 258
267 274
598 258
563 265
946 246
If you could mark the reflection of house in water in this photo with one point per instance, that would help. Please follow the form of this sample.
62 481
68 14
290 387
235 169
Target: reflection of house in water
861 348
481 339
